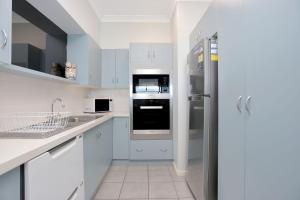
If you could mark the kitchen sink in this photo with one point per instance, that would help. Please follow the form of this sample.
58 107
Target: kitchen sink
73 121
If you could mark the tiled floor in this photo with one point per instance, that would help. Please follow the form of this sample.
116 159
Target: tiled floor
143 180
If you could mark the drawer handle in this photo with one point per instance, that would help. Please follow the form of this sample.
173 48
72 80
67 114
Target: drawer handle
99 135
63 148
164 150
139 150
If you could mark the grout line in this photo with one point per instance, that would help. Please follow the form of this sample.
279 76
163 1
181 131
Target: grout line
123 182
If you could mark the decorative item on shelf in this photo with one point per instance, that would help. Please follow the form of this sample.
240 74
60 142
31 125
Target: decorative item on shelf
70 71
57 70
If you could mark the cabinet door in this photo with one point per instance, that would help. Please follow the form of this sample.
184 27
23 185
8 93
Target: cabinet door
108 68
78 53
5 30
121 138
92 170
140 55
272 145
93 62
122 68
10 185
162 56
231 72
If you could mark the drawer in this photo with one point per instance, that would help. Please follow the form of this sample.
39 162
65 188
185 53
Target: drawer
151 150
56 174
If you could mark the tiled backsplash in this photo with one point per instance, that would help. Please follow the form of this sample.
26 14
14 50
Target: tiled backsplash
120 98
22 94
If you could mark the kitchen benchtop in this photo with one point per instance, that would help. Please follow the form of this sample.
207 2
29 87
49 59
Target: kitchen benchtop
15 152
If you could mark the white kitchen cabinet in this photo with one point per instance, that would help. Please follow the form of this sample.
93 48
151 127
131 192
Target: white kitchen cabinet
83 51
121 138
5 30
115 68
151 150
56 174
151 55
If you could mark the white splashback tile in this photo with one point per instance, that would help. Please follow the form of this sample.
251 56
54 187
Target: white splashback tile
120 98
23 94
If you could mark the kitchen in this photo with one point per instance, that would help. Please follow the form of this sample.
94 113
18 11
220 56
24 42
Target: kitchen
189 98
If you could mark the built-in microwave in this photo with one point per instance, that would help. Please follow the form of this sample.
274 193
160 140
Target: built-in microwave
150 83
94 105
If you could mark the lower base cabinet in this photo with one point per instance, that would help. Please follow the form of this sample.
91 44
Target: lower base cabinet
98 153
10 185
151 150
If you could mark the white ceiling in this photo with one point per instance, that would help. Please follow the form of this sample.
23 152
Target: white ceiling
134 10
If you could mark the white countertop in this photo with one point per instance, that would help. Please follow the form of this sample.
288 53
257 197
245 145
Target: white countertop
15 152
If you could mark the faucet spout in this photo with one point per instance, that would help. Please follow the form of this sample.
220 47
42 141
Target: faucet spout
57 100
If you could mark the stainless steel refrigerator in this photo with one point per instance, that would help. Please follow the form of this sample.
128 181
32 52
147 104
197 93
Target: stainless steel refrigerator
203 120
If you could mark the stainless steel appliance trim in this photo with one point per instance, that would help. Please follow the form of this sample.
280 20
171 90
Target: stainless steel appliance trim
141 132
4 43
151 71
151 107
151 96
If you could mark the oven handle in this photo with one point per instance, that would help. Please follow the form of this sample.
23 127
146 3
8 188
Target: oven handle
151 107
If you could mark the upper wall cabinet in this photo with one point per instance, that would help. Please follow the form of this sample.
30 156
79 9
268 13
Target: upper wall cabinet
84 53
5 30
151 55
115 68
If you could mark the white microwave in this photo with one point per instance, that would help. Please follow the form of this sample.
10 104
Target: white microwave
93 105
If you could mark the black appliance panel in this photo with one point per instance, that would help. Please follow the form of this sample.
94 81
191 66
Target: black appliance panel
151 114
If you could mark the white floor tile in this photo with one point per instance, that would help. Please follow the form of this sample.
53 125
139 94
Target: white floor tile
134 191
136 176
115 176
109 191
162 190
182 190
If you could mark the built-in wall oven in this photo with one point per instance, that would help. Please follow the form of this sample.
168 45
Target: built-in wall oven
151 116
150 103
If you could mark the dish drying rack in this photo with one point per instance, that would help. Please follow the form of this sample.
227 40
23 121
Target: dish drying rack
37 122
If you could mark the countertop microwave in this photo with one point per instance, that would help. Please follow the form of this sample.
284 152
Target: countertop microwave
96 105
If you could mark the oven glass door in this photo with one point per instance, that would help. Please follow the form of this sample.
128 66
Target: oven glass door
151 114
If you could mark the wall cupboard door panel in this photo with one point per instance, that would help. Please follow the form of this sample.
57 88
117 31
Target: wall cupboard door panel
162 55
140 55
108 75
122 68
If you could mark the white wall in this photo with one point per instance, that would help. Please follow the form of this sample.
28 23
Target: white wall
22 94
119 35
84 15
185 18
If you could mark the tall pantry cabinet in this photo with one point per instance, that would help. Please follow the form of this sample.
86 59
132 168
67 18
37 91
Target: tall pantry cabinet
258 98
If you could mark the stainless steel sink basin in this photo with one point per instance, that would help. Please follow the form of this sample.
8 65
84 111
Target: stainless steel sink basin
83 118
72 122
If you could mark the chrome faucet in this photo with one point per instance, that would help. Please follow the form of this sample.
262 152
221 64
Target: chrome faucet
54 101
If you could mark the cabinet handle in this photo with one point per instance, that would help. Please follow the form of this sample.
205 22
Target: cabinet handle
113 80
117 79
239 104
74 195
148 54
139 150
4 43
164 150
247 105
154 54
